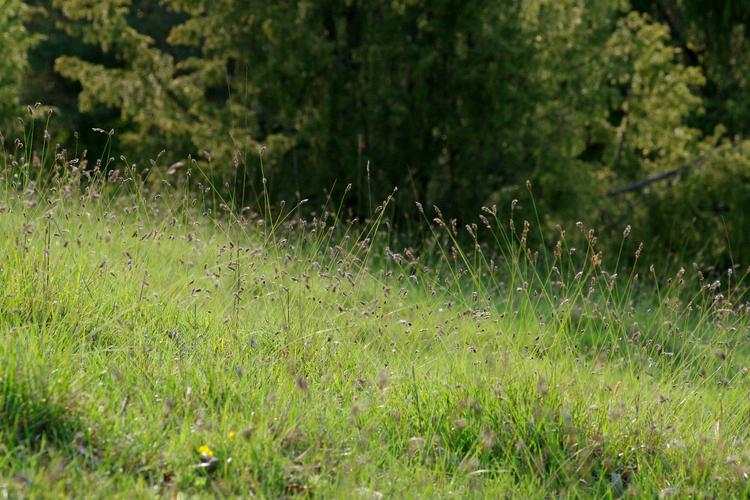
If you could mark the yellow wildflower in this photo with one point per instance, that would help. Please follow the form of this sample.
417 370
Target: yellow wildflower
232 435
205 451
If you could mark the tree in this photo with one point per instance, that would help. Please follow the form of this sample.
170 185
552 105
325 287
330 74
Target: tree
456 103
15 41
428 93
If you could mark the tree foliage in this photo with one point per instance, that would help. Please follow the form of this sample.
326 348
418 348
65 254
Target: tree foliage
15 41
455 103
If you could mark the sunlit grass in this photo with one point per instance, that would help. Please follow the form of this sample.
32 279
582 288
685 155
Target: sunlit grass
152 346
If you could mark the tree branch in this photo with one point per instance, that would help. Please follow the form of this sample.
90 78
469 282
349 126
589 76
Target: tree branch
637 186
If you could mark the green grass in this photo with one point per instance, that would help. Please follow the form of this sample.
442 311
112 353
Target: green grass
311 361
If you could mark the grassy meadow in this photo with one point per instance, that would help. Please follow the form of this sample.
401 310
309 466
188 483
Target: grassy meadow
156 343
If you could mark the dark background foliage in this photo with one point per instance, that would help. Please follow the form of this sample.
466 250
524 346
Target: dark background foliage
455 103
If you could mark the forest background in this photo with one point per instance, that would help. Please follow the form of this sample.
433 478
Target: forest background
456 103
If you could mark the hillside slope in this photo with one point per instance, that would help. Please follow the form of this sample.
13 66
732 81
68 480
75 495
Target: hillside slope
146 348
